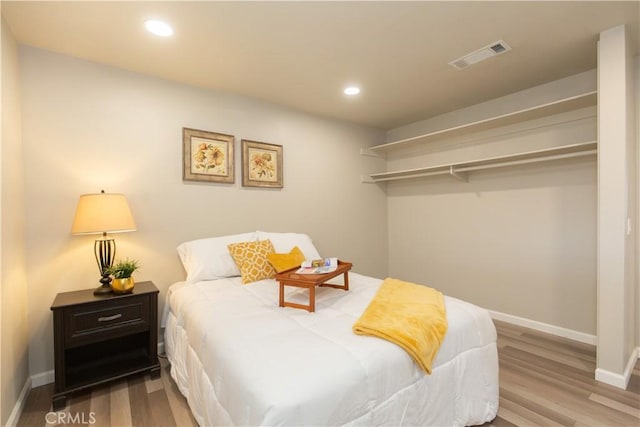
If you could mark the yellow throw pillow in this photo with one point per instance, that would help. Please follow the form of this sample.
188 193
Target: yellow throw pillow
284 262
251 259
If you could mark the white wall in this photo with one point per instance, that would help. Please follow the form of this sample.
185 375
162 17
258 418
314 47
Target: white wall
88 127
518 240
637 223
616 206
13 284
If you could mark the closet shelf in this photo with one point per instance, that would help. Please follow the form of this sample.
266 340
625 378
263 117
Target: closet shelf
459 169
555 107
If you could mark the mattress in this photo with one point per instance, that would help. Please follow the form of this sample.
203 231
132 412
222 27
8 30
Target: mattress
239 359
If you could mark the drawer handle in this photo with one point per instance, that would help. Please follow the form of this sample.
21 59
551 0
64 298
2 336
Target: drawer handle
109 318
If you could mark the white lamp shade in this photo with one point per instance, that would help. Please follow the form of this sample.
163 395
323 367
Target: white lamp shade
102 213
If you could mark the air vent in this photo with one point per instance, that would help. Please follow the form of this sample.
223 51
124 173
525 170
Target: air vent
481 54
498 48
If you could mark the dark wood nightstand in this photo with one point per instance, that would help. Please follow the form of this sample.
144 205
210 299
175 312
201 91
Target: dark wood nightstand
103 338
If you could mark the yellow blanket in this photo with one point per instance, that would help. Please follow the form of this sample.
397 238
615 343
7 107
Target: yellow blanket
409 315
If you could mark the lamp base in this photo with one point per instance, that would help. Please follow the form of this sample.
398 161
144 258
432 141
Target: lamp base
105 251
103 290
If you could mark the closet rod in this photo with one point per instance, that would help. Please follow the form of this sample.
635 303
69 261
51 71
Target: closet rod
452 169
415 175
526 161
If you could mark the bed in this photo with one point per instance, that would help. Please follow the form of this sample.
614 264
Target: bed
239 359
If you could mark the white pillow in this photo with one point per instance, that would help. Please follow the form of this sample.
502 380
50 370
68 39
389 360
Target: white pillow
284 242
209 259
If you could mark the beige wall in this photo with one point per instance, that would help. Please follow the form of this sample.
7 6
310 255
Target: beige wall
88 127
545 242
13 284
519 101
518 240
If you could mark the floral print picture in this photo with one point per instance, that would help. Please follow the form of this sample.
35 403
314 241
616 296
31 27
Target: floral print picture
261 164
207 156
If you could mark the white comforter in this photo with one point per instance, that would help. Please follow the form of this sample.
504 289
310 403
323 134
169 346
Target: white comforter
241 360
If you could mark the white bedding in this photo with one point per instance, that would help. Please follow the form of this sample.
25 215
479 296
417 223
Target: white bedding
239 359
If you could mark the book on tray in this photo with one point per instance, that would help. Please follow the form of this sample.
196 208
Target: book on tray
318 266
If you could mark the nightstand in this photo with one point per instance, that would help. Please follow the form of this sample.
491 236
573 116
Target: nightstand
102 338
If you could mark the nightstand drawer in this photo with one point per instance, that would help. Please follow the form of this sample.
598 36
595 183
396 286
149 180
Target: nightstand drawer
111 319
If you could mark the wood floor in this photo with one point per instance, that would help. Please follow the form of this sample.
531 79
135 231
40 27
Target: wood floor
548 381
544 381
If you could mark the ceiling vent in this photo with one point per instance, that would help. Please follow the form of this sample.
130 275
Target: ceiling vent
480 55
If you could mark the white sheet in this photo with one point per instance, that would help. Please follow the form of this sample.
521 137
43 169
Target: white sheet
241 360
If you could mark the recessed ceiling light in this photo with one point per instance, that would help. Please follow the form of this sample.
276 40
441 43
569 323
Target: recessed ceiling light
159 28
352 90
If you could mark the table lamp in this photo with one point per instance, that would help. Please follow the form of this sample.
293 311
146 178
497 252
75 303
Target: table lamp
103 213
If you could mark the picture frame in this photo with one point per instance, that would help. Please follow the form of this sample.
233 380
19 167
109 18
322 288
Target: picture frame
262 164
207 156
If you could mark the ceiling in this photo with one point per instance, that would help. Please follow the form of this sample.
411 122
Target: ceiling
302 54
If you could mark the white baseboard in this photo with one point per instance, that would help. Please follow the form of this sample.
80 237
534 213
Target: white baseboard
619 380
602 375
611 378
544 327
43 378
14 417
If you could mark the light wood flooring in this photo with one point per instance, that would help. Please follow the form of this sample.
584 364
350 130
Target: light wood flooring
544 381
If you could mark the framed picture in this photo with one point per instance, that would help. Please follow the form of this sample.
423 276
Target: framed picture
207 156
261 164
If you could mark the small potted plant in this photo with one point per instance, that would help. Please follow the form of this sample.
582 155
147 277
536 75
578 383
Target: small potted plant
121 271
